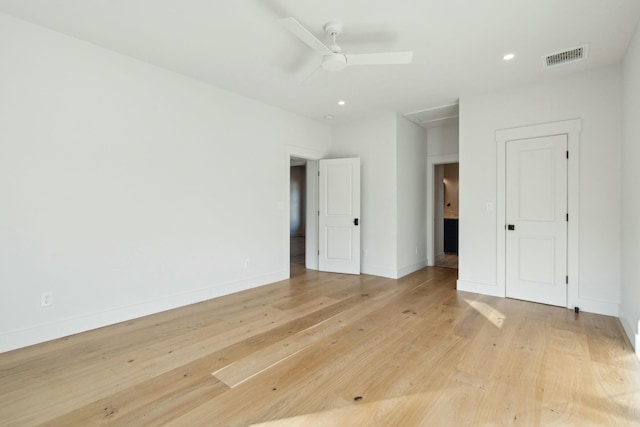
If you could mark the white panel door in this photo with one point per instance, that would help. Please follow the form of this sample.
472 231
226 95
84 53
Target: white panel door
339 216
536 216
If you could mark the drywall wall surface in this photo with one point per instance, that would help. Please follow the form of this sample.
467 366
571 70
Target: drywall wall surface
442 140
630 301
128 189
411 196
596 98
374 141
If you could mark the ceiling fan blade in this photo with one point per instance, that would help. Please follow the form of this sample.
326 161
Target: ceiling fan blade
380 58
305 35
310 77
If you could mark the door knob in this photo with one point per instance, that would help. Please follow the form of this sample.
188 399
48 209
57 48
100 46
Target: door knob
511 227
355 221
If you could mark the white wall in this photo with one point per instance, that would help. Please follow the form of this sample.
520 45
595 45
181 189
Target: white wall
443 140
630 306
596 98
374 141
411 196
124 187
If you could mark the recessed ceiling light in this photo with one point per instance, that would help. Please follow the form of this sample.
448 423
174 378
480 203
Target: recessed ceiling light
328 117
508 57
341 102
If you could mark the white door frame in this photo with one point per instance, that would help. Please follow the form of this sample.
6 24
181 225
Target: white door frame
311 250
432 162
572 129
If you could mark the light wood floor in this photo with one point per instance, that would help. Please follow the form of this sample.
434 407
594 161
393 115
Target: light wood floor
334 350
449 260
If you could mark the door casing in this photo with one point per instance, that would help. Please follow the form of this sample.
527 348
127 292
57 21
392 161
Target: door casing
312 239
432 162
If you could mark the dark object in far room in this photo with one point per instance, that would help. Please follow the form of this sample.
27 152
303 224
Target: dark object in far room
451 235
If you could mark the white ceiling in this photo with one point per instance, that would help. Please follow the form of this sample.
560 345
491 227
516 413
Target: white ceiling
239 44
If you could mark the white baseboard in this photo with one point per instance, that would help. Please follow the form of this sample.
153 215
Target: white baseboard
634 338
392 273
50 331
597 307
411 268
480 288
375 270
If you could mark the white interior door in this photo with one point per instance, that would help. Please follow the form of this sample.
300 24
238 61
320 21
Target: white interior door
339 216
536 217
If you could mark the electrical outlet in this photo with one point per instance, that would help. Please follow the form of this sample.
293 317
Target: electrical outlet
46 299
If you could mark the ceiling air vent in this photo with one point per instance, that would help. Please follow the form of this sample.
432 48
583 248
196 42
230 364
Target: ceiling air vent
565 56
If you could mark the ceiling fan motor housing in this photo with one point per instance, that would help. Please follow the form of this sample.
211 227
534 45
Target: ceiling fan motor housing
334 62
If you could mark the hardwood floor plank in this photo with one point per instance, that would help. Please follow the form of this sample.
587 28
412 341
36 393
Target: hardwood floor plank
332 349
169 394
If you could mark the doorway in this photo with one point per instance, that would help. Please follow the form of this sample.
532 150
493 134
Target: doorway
436 210
335 193
298 156
297 211
446 187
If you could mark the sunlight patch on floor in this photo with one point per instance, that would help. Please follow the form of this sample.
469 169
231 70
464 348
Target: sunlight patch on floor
489 313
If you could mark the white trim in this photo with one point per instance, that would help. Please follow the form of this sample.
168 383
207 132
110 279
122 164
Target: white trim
302 153
311 232
634 338
637 341
431 109
411 268
572 129
432 161
374 270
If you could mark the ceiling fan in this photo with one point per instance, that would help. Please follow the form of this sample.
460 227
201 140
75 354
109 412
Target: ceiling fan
333 59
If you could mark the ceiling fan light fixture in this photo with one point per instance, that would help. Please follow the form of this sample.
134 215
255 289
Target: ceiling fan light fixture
334 62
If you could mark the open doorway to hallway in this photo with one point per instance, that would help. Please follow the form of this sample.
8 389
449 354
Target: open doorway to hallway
446 190
297 216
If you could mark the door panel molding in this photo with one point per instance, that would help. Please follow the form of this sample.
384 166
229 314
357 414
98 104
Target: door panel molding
536 207
572 129
339 215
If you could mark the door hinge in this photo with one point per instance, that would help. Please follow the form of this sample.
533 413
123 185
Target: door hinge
318 173
566 280
318 213
318 251
567 217
567 154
